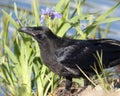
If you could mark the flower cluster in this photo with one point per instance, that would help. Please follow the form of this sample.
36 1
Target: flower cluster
51 13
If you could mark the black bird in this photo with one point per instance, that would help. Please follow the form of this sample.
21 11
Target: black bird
63 56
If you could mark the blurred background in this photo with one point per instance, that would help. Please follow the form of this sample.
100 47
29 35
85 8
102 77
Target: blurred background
90 6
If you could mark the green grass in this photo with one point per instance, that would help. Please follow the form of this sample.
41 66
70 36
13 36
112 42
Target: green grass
21 69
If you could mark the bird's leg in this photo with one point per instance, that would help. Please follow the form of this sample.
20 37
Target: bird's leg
68 83
86 82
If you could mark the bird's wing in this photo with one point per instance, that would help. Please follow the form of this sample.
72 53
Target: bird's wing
83 54
73 55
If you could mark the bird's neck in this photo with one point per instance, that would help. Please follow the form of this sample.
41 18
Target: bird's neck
47 48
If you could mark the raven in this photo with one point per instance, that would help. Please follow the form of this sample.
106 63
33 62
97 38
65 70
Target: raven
63 56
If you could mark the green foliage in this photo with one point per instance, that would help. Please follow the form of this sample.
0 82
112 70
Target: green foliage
21 68
35 12
103 77
102 19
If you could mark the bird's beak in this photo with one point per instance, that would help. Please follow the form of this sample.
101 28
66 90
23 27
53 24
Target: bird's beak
27 30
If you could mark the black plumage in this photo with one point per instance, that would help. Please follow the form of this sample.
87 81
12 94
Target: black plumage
61 55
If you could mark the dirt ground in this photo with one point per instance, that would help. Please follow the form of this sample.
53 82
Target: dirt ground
113 88
79 90
87 91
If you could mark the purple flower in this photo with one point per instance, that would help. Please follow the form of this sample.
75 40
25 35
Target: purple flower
42 18
51 13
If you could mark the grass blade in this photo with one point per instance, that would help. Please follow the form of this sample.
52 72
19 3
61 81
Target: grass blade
11 54
36 12
14 23
103 16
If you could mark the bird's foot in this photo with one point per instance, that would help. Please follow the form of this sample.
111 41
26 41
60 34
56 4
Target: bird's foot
70 92
65 92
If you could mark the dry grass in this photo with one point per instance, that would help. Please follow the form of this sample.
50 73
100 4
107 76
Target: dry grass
99 91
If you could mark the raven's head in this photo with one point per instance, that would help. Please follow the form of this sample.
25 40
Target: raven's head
38 33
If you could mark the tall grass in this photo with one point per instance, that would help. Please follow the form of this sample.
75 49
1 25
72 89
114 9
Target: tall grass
22 72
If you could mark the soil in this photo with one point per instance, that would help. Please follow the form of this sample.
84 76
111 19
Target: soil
89 90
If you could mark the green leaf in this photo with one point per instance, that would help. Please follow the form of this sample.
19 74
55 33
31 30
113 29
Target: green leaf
11 54
36 12
108 20
72 22
83 36
103 16
80 17
15 10
38 79
14 23
65 10
89 29
59 5
65 27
